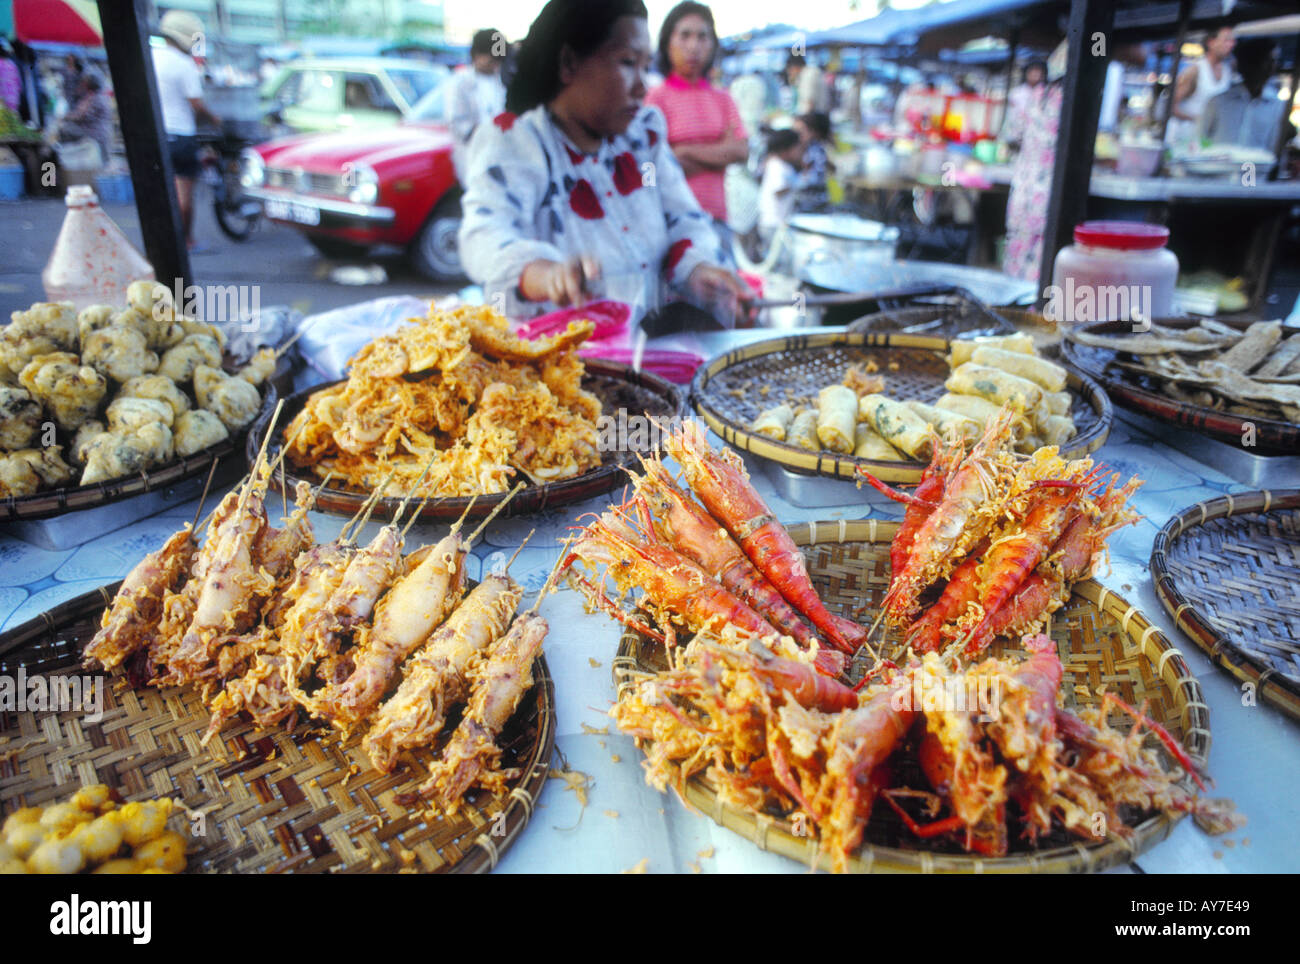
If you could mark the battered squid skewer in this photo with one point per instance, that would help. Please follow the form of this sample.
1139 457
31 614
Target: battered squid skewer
435 678
498 684
405 618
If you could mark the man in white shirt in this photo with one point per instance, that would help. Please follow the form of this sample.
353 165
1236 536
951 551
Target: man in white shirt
1249 113
180 91
476 95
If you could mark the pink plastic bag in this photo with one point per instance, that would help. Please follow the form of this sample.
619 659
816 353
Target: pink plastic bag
612 339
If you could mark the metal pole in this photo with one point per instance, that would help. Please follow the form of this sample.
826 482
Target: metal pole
126 41
1014 41
1184 17
1089 31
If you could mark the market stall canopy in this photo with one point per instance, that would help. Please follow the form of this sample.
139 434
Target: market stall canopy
73 22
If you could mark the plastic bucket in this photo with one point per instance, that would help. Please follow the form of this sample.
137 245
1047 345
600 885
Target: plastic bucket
11 183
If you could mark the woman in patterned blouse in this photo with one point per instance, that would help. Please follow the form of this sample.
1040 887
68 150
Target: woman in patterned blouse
574 190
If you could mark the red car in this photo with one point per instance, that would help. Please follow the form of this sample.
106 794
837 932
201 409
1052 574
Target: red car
351 190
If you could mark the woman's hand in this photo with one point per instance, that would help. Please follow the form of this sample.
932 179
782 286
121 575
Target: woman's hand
722 293
563 283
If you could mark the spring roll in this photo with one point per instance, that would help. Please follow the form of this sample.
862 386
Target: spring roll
803 431
775 422
996 386
868 444
944 422
1047 375
1056 429
979 409
1058 403
837 413
898 425
963 349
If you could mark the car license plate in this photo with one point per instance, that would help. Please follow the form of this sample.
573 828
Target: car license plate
292 211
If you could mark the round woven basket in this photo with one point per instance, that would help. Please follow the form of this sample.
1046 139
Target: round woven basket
1146 394
44 505
622 392
1227 571
1101 640
271 801
954 318
734 388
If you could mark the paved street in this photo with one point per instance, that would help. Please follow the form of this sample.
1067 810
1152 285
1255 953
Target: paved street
290 270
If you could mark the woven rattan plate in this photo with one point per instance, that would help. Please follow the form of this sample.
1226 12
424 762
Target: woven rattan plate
622 392
44 505
728 392
1144 393
271 802
1101 640
1227 571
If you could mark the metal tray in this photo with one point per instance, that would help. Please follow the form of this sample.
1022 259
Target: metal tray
1263 471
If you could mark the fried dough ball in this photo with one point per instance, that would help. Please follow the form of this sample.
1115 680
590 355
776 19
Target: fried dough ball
21 817
123 865
114 455
17 350
150 298
158 387
98 797
159 332
178 363
165 852
232 400
68 390
193 327
260 367
92 319
119 352
100 838
128 414
26 471
145 820
86 436
55 320
57 855
196 430
25 838
20 418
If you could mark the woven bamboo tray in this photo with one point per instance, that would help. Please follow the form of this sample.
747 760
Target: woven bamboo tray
726 393
949 320
1227 571
1144 393
617 386
1101 639
44 505
272 802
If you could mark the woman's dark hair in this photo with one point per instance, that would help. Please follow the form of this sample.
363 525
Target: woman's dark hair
581 25
484 42
819 124
795 60
684 9
781 140
1040 64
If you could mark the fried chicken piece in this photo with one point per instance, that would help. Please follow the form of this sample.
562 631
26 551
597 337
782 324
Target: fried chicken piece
92 319
68 390
232 400
119 352
260 367
192 327
178 362
197 430
17 350
20 418
159 332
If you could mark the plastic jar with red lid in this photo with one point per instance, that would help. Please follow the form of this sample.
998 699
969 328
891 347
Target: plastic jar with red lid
1115 270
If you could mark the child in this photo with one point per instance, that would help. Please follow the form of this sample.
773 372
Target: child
776 194
815 134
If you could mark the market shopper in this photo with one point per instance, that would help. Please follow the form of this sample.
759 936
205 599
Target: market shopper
815 139
1033 127
1198 84
780 183
180 89
1249 113
705 131
574 188
90 117
476 95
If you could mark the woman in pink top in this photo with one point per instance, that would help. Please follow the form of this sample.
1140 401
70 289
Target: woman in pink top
704 127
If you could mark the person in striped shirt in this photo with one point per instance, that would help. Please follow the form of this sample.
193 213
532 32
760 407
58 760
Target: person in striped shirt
705 131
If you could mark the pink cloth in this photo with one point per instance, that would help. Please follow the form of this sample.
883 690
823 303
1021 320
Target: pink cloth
612 340
698 113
